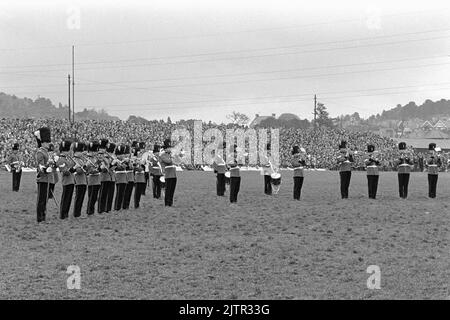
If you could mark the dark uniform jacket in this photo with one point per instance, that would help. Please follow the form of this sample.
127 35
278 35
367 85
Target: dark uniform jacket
80 172
42 165
404 165
93 173
14 160
372 166
345 162
433 163
298 165
66 168
169 168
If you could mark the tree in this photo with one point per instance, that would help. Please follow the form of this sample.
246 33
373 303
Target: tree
323 117
238 118
169 121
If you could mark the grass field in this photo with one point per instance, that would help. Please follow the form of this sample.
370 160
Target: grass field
262 248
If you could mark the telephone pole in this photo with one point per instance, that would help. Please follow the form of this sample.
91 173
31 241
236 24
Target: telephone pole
73 84
69 98
315 111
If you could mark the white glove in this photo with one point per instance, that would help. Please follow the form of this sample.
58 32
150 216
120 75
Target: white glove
49 170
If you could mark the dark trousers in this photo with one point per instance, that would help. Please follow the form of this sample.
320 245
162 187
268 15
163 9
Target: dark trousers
16 176
105 196
171 183
403 181
432 184
41 204
267 184
92 198
120 193
156 187
235 184
345 183
138 192
80 191
110 195
51 190
220 184
372 183
298 183
128 193
66 200
147 180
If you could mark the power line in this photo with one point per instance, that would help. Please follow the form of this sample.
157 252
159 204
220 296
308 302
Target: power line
239 74
271 79
235 51
244 57
275 97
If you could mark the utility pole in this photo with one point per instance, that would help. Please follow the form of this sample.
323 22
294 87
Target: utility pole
315 111
73 84
69 99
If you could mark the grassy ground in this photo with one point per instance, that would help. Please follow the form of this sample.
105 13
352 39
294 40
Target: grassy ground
263 248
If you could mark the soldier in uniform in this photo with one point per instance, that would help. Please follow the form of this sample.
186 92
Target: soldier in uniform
105 176
156 172
93 176
170 172
43 139
298 163
433 164
111 184
16 163
66 168
235 177
79 176
220 168
267 170
143 163
139 175
345 160
404 164
372 172
130 176
121 177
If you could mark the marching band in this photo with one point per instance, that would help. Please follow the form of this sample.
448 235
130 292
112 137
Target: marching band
110 173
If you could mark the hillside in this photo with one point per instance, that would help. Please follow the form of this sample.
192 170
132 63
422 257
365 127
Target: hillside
426 111
14 107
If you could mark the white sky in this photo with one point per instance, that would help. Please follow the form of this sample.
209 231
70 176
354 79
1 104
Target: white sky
204 59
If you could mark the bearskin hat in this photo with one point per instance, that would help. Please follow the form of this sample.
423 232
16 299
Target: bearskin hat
141 145
167 144
65 145
93 146
402 146
79 146
295 150
43 135
103 144
134 144
110 147
370 148
432 146
343 144
15 146
156 148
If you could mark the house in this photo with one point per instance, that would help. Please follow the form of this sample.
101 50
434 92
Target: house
440 125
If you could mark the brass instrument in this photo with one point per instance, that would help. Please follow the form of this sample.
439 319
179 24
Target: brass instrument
81 165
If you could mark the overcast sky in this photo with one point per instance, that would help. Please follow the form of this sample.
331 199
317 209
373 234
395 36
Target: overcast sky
204 59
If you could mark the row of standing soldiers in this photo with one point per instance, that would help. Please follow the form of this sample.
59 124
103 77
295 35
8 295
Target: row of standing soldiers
404 165
104 170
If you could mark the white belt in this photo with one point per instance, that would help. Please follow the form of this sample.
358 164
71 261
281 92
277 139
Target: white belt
432 165
155 167
404 164
234 168
372 166
170 167
298 168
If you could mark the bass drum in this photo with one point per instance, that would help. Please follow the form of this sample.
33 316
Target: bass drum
275 181
163 182
227 177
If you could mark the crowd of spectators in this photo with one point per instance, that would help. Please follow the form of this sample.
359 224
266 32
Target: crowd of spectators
321 144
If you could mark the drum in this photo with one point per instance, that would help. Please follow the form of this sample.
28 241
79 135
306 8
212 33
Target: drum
163 181
275 180
227 177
